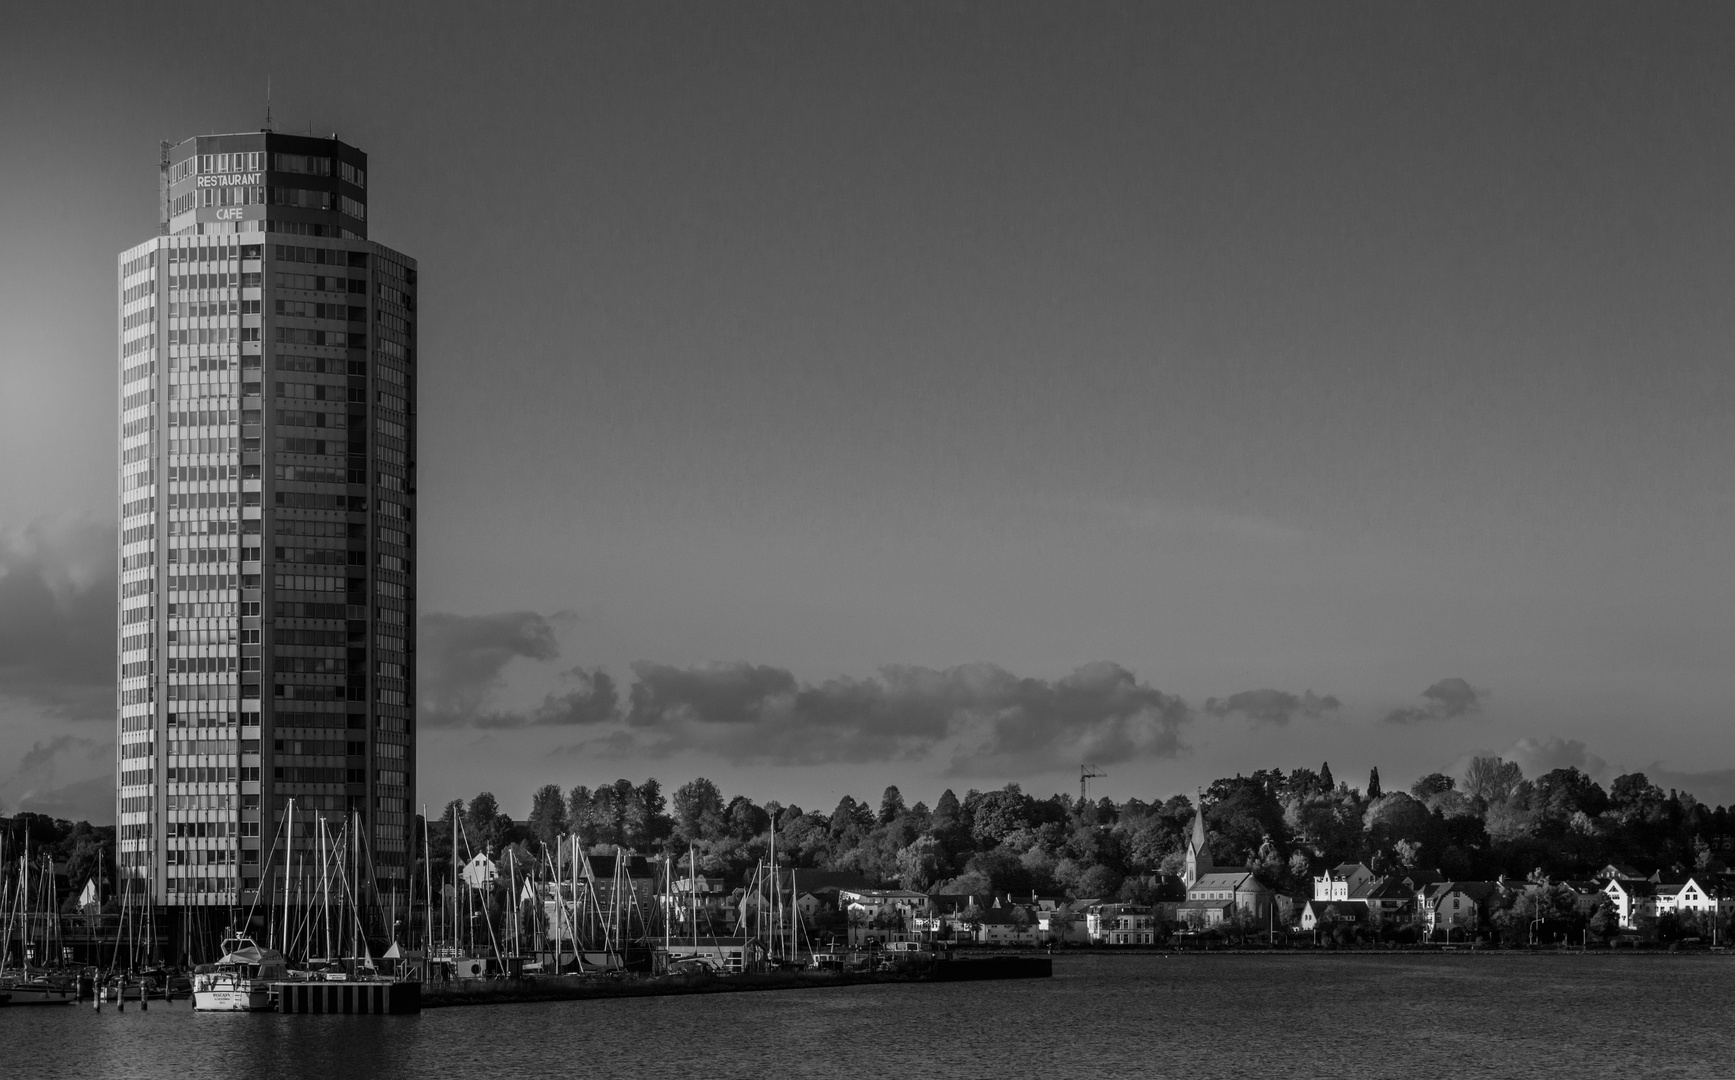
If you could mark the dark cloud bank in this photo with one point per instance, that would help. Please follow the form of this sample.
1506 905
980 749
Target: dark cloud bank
980 716
57 612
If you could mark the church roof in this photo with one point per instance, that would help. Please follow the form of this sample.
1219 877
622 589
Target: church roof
1226 879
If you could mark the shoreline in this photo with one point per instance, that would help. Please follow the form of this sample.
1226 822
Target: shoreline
1404 950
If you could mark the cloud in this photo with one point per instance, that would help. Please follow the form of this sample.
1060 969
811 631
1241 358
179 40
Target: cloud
1273 706
1447 700
57 618
39 759
593 701
462 658
1100 712
82 800
1538 756
33 785
988 718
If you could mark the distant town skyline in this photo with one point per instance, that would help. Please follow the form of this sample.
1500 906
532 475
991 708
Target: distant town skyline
821 399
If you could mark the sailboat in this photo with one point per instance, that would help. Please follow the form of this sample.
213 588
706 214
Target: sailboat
27 987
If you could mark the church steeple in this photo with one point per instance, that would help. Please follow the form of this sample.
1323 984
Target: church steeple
1198 854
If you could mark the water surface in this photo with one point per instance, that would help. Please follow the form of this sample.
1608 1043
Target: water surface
1202 1017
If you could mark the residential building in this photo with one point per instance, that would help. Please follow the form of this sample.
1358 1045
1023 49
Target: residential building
1586 895
706 896
1387 900
1417 880
1121 924
1699 894
1317 914
867 904
1448 905
822 885
267 610
1010 926
1619 872
1341 881
1634 901
1063 925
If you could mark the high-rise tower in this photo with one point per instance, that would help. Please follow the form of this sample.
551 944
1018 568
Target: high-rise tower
267 372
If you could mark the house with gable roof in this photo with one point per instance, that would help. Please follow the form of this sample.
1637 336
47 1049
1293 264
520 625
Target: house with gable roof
1013 924
1455 904
1694 894
1634 902
1342 881
1387 900
1705 894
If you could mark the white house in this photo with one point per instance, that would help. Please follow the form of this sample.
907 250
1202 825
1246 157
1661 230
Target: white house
1342 881
1699 894
1633 901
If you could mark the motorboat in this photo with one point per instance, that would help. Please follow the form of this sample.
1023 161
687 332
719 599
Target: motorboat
241 980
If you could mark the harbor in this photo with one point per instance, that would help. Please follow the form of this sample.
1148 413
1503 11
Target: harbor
586 925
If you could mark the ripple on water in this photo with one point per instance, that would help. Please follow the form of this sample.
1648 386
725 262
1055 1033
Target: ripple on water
1204 1018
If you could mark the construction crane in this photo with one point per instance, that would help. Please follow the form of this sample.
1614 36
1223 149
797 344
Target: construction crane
1086 773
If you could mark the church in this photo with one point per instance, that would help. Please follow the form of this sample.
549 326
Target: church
1218 893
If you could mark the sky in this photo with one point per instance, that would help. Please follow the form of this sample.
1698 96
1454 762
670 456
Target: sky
822 397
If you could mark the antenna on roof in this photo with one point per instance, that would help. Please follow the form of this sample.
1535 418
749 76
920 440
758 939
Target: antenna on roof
267 126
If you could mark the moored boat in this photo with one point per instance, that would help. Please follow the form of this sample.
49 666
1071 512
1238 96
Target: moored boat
241 980
38 991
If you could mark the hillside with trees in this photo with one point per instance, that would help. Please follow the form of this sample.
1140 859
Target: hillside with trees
1490 822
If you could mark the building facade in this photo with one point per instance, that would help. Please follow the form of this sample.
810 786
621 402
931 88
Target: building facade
267 386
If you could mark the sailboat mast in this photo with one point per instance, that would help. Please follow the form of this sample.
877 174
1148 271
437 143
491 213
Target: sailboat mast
455 879
24 899
428 881
288 855
776 894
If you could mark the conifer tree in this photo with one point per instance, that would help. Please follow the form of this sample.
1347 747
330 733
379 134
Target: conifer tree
1374 783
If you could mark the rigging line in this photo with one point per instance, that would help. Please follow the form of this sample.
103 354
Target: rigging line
256 892
486 918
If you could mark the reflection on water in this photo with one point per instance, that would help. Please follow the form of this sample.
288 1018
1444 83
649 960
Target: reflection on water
1100 1016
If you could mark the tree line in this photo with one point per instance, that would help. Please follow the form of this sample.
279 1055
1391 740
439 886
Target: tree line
1490 822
